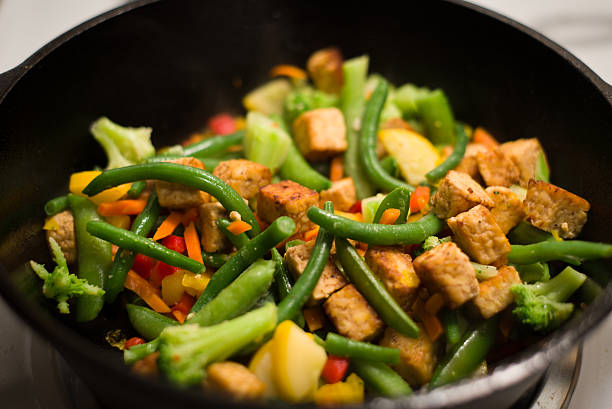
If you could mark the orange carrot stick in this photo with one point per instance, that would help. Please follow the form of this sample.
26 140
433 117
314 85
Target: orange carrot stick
336 169
311 234
434 304
167 227
146 291
389 216
433 326
484 138
179 315
192 242
238 226
290 71
419 199
121 207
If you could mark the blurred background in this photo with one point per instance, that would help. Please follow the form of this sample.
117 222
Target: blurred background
582 27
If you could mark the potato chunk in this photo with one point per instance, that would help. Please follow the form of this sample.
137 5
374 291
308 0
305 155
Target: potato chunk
508 210
244 176
495 295
287 198
457 193
394 268
497 169
445 269
320 133
213 239
341 194
325 69
524 153
417 356
552 208
331 279
63 234
177 196
479 235
352 315
235 380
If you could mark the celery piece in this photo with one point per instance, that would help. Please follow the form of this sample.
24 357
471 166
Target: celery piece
542 171
437 116
265 142
269 98
484 272
352 103
406 97
369 206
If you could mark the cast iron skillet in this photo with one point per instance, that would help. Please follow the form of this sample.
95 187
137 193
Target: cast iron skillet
170 65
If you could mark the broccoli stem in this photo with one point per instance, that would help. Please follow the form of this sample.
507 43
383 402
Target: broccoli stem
186 350
561 286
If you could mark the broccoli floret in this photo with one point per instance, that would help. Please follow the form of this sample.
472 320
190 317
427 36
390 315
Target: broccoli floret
541 305
124 146
429 243
60 284
304 99
186 350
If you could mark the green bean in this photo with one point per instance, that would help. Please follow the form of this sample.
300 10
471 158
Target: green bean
352 103
525 233
369 130
296 168
309 278
215 260
238 297
238 240
437 116
341 346
138 352
377 234
124 258
148 323
94 256
281 276
389 164
453 327
186 175
213 145
56 205
136 189
453 159
257 247
132 241
467 354
373 291
570 251
381 379
398 198
293 243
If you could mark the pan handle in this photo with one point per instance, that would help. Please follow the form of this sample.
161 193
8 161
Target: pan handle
7 79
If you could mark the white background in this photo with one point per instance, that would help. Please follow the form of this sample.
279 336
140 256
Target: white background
583 27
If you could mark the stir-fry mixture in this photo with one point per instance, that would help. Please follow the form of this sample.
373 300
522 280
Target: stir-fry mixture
346 238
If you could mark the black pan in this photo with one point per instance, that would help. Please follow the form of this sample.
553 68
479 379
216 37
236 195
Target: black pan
172 64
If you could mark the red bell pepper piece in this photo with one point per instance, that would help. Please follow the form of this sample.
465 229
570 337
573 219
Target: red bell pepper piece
133 341
184 305
176 243
222 124
335 368
143 265
356 207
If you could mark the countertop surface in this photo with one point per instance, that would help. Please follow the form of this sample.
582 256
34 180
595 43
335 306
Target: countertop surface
584 28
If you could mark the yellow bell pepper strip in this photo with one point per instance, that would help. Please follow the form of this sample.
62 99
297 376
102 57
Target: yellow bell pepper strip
79 180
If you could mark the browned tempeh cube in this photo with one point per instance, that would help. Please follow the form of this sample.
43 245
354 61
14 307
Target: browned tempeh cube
63 234
325 69
524 153
234 380
177 196
341 194
244 176
497 169
320 133
495 294
287 198
508 210
213 239
457 193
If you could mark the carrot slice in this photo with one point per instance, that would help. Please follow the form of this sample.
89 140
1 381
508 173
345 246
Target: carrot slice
389 216
146 291
238 226
419 199
336 169
434 304
190 215
192 242
314 317
484 138
432 324
167 227
290 71
121 207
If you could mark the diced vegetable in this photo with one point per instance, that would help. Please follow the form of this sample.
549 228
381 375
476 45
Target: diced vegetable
262 366
265 142
172 288
335 368
369 206
437 116
79 180
484 272
341 393
268 99
124 146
